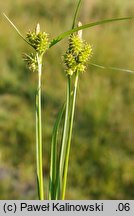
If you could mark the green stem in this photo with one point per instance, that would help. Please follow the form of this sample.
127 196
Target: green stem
72 108
63 144
39 133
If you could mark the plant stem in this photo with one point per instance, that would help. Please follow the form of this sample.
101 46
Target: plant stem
72 108
63 144
71 117
39 133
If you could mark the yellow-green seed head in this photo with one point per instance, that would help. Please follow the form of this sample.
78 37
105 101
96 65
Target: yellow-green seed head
31 61
85 54
77 55
69 59
75 44
80 67
39 40
69 71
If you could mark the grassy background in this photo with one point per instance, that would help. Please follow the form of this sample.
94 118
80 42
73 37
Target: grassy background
102 152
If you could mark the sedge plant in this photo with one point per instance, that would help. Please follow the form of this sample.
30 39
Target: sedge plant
75 60
39 41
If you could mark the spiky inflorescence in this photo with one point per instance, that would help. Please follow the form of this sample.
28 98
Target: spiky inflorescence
38 41
32 62
77 55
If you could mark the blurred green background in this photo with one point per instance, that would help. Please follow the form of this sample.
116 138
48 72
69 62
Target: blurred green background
102 152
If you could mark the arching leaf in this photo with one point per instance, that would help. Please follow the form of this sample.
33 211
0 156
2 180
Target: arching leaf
89 25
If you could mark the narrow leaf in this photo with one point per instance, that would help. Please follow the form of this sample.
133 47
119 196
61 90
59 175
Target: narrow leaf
76 13
63 142
16 29
89 25
112 68
53 165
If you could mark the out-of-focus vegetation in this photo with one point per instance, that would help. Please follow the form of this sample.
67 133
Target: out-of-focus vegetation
102 152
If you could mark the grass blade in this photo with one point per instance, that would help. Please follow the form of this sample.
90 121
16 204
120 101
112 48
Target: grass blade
76 13
54 153
16 29
89 25
112 68
63 144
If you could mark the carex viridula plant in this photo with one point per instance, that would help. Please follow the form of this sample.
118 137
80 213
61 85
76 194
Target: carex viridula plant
75 60
39 41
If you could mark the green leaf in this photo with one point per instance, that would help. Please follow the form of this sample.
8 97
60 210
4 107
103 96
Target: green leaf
54 153
112 68
63 142
16 29
101 22
76 13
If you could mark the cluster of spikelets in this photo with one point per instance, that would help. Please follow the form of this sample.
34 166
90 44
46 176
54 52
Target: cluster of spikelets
75 58
31 61
77 55
39 41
